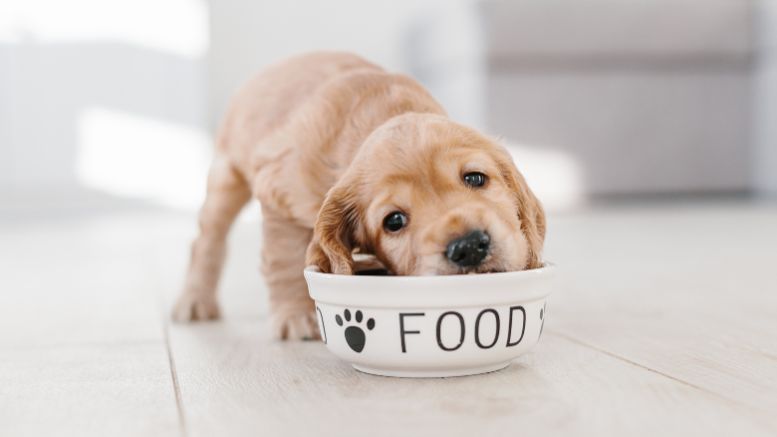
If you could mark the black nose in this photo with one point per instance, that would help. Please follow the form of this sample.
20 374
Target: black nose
469 250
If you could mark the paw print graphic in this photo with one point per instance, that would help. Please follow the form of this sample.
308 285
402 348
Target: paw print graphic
354 334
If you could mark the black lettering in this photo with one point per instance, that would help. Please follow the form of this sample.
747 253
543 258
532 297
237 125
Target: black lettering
477 328
439 325
323 328
510 327
402 331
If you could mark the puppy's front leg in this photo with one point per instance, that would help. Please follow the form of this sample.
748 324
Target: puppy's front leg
283 260
226 196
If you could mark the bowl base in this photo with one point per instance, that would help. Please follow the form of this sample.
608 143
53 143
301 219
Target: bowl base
421 373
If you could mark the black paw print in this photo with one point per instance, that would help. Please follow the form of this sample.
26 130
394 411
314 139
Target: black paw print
354 335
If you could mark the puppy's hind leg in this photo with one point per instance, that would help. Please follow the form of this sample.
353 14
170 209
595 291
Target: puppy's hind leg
283 260
226 195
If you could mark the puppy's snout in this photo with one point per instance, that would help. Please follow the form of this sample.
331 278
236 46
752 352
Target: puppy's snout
469 250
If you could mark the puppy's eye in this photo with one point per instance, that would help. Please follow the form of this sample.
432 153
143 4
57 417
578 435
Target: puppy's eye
475 179
394 221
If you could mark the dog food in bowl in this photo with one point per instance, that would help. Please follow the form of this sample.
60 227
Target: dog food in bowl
430 326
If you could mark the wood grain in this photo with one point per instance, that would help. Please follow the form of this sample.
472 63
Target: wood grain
687 292
665 322
116 390
237 382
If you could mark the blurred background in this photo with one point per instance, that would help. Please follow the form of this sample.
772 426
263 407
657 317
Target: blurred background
109 103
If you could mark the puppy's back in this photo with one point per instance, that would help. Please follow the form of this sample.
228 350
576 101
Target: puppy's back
267 100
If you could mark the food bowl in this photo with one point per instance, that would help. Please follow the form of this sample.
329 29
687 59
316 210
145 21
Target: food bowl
431 326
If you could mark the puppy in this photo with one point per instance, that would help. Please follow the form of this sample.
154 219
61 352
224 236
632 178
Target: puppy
347 158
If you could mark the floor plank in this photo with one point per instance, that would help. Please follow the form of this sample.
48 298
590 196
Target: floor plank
116 390
82 341
77 282
686 291
664 322
235 381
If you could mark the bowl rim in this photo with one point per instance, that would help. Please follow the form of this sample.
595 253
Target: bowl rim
430 291
547 267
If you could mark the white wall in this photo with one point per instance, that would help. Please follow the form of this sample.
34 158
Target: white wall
121 97
82 81
248 35
94 94
6 157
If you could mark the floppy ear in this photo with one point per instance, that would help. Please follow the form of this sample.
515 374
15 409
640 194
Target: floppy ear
334 233
530 211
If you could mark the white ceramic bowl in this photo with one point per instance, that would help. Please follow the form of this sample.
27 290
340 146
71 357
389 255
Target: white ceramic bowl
430 326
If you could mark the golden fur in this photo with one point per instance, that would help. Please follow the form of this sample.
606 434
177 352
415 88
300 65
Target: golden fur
330 144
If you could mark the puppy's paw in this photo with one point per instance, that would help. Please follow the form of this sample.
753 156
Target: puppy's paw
295 325
192 307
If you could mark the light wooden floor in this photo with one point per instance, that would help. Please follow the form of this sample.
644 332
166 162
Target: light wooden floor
666 324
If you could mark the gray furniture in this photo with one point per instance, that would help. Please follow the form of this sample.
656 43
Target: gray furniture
645 96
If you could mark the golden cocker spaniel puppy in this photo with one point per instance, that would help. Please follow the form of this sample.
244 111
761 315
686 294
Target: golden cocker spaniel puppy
348 158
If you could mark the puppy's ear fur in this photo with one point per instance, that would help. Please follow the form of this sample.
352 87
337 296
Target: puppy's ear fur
530 211
334 234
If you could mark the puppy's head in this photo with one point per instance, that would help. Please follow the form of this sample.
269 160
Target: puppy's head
428 196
